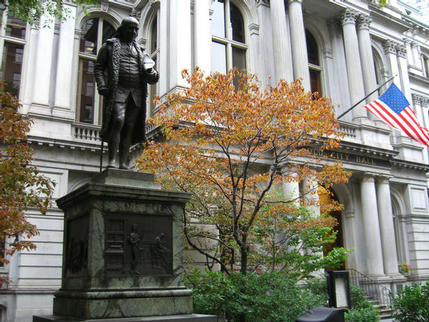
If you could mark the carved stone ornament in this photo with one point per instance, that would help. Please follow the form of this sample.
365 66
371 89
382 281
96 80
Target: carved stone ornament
348 17
363 22
263 2
402 51
390 46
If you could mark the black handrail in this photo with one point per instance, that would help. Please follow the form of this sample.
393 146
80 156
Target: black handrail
374 291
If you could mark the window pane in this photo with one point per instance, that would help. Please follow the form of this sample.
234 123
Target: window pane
237 24
87 90
239 59
15 27
218 57
154 36
11 67
218 18
312 49
88 41
108 31
316 82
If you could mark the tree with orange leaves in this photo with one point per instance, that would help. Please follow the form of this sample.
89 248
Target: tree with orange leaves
21 185
228 141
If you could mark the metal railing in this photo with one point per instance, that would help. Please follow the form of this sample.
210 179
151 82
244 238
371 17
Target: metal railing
378 293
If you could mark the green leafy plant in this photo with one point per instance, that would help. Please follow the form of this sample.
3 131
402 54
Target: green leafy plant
361 309
412 304
251 297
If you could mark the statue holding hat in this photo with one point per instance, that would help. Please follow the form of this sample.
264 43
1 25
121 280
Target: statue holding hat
122 72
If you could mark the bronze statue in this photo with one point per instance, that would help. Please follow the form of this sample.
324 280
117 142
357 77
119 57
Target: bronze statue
122 72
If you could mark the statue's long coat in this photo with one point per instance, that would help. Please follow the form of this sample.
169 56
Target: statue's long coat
108 60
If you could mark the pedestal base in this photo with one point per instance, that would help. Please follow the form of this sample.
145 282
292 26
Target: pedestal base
166 318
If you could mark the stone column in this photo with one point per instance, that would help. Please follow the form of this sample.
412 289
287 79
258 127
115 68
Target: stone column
367 59
410 56
290 187
202 35
281 41
175 47
43 63
298 43
416 54
371 227
403 71
354 68
388 242
311 196
64 80
390 51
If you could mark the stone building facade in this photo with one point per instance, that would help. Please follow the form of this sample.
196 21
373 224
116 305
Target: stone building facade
340 48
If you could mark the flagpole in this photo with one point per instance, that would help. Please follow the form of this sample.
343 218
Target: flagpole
366 97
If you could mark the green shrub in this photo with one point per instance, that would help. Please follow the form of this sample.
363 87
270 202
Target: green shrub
361 309
265 297
412 304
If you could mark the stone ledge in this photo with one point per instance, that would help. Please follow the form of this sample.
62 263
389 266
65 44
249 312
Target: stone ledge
174 318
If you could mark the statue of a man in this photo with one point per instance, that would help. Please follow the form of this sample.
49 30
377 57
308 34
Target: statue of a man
122 72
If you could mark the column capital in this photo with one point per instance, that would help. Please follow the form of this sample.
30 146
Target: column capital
363 21
401 50
368 177
390 47
348 17
263 2
383 179
292 1
416 99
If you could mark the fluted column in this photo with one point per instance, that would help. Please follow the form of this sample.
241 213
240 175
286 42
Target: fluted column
403 71
290 187
298 43
311 196
390 51
367 59
175 47
43 64
281 41
354 68
202 35
371 227
388 242
64 79
416 53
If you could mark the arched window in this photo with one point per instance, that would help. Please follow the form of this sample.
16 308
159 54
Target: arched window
13 53
154 54
228 37
95 32
314 64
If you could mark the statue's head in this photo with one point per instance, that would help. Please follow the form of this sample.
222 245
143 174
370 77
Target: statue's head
128 29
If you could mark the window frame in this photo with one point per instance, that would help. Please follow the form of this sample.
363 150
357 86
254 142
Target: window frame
82 56
153 89
228 40
15 41
313 67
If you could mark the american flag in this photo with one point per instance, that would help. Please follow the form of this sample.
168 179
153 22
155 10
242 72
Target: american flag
394 109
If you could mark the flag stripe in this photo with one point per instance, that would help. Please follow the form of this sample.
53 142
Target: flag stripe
410 113
395 117
394 109
374 110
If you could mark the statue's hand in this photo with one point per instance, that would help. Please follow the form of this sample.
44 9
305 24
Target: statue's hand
104 91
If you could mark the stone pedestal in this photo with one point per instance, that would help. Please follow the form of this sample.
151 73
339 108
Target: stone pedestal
123 244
